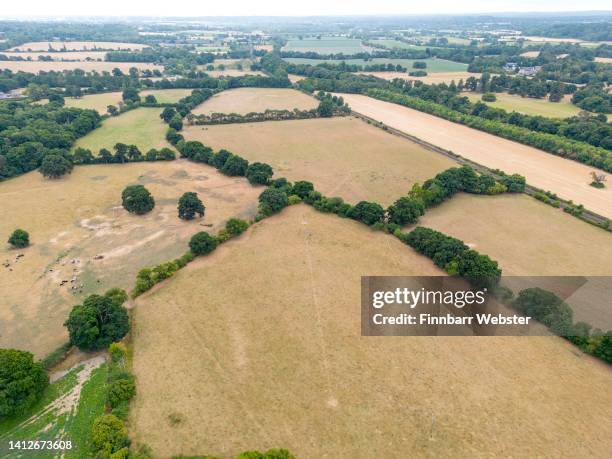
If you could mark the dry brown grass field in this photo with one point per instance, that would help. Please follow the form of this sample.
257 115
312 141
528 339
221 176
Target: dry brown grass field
530 54
245 100
75 45
295 78
259 346
605 60
80 218
38 66
568 179
431 78
343 157
63 56
232 73
100 102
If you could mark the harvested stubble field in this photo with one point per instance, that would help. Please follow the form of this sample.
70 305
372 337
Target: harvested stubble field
289 367
342 156
100 102
141 127
80 218
568 179
530 106
58 66
75 46
246 100
604 60
232 73
431 78
63 56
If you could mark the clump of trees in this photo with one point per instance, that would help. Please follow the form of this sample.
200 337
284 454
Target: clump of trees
22 381
189 205
55 166
99 321
271 201
202 243
109 437
19 239
454 256
366 212
259 173
136 199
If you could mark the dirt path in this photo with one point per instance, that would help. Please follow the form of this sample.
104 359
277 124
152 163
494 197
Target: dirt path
566 178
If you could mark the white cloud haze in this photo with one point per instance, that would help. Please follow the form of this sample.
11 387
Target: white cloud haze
39 8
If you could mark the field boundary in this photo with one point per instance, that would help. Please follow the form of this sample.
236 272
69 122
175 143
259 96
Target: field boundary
587 215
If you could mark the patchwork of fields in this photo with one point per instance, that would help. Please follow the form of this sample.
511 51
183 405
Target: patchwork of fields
100 102
430 78
327 45
63 56
80 218
328 391
246 100
342 156
59 46
568 179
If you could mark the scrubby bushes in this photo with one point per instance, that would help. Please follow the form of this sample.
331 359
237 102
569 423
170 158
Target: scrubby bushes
19 239
109 437
22 381
454 256
99 321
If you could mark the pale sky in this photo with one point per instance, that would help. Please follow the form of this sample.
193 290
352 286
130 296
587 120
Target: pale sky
38 8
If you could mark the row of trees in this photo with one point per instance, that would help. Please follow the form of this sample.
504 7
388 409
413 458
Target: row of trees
122 153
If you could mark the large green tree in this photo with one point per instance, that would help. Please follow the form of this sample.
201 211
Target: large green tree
55 166
202 243
99 321
189 205
19 239
137 199
22 381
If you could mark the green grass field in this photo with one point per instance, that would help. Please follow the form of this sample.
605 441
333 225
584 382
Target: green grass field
141 127
391 44
433 65
66 411
529 106
327 45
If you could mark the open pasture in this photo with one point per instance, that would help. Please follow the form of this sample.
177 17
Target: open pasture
288 366
63 56
76 46
232 73
141 127
246 100
568 179
327 45
166 96
342 156
530 106
78 229
433 65
100 102
86 66
394 44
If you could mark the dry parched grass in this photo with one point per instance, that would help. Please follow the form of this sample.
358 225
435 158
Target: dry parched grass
80 218
258 345
342 156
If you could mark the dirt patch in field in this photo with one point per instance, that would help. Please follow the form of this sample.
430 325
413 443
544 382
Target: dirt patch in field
569 179
246 100
84 242
264 337
342 156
